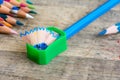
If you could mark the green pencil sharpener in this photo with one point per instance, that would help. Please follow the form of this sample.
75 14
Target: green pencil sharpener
43 57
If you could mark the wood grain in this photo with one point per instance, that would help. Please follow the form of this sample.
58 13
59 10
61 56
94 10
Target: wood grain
88 57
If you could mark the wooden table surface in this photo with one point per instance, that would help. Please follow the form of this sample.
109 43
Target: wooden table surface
88 56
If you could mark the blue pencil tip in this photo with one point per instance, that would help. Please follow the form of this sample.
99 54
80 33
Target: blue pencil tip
102 33
118 24
15 8
29 2
19 23
1 2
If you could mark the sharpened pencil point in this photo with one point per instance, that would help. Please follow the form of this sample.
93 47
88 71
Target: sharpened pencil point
19 23
14 11
14 32
102 33
7 24
31 6
29 2
33 12
29 16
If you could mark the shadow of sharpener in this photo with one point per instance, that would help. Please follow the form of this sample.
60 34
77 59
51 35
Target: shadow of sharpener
43 57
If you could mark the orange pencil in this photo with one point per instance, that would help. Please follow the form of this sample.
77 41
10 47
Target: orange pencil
11 20
4 22
6 30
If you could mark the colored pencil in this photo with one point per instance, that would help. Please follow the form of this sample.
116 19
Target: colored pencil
111 30
28 5
20 13
5 10
26 9
7 4
11 20
15 9
6 30
4 22
16 3
22 6
27 1
86 20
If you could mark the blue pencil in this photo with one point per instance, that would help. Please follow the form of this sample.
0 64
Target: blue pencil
111 30
82 23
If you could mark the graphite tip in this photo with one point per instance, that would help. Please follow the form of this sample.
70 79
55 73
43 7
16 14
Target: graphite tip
29 2
102 33
14 32
33 12
29 16
19 23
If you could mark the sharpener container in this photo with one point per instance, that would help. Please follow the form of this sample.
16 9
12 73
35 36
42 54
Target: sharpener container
43 57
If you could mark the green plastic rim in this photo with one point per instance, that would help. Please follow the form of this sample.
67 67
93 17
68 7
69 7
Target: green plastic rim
43 57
